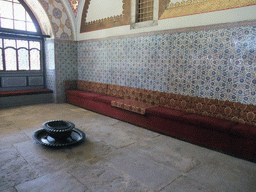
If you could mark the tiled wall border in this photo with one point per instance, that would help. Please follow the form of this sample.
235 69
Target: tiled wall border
181 30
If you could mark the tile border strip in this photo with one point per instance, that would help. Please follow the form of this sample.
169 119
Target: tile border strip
180 30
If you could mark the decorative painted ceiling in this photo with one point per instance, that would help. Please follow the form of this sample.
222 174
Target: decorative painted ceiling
59 18
93 18
74 5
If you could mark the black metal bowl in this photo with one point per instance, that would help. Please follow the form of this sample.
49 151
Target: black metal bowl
59 129
43 138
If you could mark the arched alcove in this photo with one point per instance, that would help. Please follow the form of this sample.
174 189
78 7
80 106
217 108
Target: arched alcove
60 48
41 16
47 29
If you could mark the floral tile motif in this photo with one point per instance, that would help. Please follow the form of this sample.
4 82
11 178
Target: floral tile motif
213 63
65 65
59 18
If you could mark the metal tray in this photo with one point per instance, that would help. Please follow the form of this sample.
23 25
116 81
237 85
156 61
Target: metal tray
42 137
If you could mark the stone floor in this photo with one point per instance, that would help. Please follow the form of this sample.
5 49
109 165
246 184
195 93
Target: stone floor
116 156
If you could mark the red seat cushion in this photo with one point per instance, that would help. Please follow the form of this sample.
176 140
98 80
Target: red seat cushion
72 92
252 132
209 122
165 112
240 130
24 92
243 130
130 105
83 94
106 99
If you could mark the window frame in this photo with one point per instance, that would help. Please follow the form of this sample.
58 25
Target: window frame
26 75
2 37
150 23
33 18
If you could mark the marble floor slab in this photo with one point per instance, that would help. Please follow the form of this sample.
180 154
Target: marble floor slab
115 157
58 181
14 169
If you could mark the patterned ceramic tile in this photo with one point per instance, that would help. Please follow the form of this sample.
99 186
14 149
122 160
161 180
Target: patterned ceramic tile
65 65
50 66
216 63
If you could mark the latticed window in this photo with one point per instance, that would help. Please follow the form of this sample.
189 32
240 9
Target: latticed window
16 52
14 16
144 13
145 10
21 47
18 55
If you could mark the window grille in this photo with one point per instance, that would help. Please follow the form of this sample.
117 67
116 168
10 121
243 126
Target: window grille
145 10
14 16
20 54
144 13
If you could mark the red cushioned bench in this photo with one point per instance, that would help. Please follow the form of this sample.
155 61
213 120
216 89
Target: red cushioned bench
25 97
24 92
209 123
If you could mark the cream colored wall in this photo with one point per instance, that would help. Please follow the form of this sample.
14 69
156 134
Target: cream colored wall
218 17
175 1
101 9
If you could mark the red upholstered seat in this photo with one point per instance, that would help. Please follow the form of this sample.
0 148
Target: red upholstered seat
130 105
24 92
179 116
240 130
209 122
165 112
83 94
243 130
106 99
252 132
72 92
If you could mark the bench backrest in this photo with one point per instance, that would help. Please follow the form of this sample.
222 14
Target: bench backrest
228 110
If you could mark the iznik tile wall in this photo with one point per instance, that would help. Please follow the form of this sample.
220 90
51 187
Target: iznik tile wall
50 65
214 63
65 65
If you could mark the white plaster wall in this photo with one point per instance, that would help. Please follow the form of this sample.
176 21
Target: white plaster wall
217 17
100 9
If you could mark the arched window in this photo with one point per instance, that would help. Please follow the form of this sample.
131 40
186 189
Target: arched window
21 47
